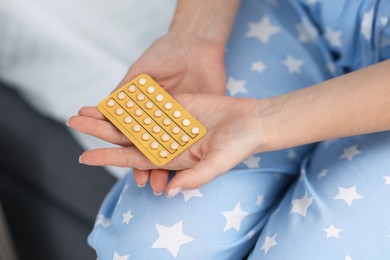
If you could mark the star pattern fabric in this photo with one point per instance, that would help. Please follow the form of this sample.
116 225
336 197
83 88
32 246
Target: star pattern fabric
236 86
293 65
252 162
348 195
332 231
188 194
350 152
234 218
171 238
262 30
301 205
305 202
268 243
120 257
126 217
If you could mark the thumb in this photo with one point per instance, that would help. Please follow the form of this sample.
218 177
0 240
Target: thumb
201 173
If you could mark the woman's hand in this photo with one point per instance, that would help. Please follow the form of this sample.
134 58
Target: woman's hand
180 63
183 63
235 131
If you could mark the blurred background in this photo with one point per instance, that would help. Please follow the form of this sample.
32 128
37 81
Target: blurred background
55 57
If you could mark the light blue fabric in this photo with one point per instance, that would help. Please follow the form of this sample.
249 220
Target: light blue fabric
322 201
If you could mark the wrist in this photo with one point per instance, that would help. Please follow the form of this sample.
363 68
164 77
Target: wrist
269 123
209 20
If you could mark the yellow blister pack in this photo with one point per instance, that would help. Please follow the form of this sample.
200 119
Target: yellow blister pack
152 119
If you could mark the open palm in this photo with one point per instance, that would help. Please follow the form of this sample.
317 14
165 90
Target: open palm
234 133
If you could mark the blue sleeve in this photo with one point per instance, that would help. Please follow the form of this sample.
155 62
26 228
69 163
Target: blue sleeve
355 32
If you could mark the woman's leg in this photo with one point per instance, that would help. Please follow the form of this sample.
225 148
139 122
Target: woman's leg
339 208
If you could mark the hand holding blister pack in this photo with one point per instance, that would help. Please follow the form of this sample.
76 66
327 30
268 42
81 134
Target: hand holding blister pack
151 119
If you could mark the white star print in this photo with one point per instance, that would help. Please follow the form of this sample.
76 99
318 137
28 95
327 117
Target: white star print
171 238
258 66
348 195
384 21
384 42
234 218
329 142
252 162
126 217
301 205
366 25
387 180
293 65
251 233
119 257
291 154
262 30
102 220
188 194
322 173
350 152
306 31
331 68
348 257
260 200
268 243
236 86
333 37
332 231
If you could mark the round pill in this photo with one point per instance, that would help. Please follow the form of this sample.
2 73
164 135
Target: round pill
154 145
149 105
156 129
177 114
159 97
147 121
138 112
195 130
142 81
146 136
121 95
185 138
158 113
111 103
150 90
168 105
167 121
132 88
163 153
130 104
175 130
174 146
165 137
119 111
140 97
128 119
186 122
137 128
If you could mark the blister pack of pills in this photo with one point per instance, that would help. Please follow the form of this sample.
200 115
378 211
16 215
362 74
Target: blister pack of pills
152 119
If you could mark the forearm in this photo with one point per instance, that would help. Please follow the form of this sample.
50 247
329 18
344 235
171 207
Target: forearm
211 20
357 103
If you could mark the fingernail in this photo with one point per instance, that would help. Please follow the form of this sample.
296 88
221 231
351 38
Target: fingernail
141 186
67 123
172 193
80 159
157 194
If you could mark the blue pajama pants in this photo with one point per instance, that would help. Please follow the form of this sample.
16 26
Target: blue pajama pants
329 200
